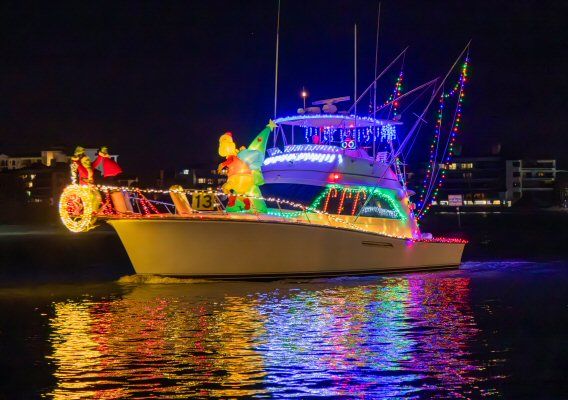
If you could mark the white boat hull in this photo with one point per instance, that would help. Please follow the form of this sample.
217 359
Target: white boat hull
235 249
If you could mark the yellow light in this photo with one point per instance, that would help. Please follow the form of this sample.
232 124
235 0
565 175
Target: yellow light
86 200
87 219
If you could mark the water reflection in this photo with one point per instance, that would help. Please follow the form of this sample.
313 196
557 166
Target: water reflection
393 337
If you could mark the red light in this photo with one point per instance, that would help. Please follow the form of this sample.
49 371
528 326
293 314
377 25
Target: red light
334 177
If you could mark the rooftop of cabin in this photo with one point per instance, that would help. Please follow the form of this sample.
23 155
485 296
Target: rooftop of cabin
334 121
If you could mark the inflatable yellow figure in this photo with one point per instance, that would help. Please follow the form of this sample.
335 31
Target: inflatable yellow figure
243 167
240 180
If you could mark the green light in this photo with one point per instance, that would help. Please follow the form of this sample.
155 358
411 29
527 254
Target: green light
383 194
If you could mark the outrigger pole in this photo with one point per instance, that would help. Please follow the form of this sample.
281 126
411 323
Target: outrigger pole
435 169
276 63
420 118
416 124
375 83
408 93
355 71
378 77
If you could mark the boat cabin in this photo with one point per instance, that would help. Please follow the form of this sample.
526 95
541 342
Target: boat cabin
341 165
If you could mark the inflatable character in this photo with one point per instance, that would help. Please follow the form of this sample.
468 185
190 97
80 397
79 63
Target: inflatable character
105 164
242 167
81 167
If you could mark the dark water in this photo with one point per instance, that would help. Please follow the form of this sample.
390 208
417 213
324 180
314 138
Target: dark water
493 329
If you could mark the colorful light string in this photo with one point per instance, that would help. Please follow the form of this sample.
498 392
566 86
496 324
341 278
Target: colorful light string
89 197
435 176
397 91
382 194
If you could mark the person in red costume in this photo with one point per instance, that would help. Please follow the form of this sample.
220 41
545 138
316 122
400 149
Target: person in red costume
81 167
105 164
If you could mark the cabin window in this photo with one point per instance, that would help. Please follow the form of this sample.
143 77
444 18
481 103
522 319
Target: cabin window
349 200
303 194
338 199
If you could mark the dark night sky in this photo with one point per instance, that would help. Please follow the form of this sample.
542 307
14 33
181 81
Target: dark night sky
160 81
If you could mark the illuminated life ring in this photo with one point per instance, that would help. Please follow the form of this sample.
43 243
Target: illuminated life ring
78 207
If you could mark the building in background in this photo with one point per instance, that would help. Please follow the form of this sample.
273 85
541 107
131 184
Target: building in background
533 180
40 178
561 188
200 178
19 161
43 184
492 182
479 180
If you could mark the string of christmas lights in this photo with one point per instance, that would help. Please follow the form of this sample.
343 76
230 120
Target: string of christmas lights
426 184
107 208
397 91
434 178
88 218
334 189
77 207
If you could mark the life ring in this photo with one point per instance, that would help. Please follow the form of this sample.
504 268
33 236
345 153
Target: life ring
78 207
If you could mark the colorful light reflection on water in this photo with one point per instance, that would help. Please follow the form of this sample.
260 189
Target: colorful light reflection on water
398 337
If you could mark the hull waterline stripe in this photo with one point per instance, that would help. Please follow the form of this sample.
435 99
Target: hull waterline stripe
377 244
323 274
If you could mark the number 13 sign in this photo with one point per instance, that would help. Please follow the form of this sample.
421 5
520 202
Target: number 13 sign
203 201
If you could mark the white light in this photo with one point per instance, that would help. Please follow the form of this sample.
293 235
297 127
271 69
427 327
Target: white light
378 211
312 157
295 148
388 133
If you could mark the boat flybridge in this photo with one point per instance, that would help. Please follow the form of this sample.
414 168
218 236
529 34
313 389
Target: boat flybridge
314 194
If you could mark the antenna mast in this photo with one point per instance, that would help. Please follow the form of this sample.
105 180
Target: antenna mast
355 71
276 63
375 83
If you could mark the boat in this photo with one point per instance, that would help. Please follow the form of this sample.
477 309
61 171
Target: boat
321 192
358 218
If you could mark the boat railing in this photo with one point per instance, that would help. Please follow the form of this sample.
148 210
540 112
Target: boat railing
81 206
